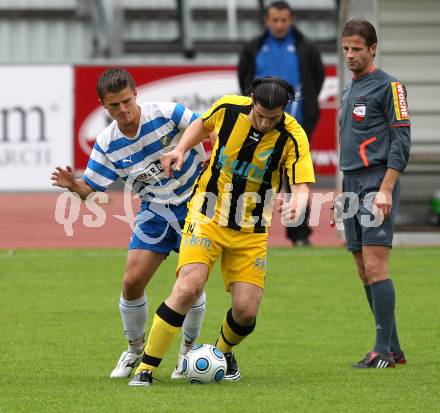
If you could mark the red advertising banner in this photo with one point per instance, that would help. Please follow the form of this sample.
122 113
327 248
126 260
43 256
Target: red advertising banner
323 139
196 87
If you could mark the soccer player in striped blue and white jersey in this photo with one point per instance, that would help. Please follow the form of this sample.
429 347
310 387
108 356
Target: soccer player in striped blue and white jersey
130 148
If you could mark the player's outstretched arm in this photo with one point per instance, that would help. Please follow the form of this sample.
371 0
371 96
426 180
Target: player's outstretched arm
65 178
193 135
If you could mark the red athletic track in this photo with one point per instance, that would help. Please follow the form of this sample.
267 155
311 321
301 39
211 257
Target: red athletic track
28 221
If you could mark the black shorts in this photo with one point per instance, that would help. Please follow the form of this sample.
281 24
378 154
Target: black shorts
362 228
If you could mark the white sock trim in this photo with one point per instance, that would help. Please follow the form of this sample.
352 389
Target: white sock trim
201 301
139 302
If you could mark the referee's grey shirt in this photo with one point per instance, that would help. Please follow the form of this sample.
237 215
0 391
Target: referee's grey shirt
374 124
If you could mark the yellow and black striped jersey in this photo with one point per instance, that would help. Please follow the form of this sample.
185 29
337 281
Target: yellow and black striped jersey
238 186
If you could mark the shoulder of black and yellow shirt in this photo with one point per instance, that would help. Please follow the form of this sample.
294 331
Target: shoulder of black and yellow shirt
293 128
241 104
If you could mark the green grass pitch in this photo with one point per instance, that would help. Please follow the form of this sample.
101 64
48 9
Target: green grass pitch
60 337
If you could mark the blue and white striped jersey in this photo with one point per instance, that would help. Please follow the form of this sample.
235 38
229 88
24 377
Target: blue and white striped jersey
137 160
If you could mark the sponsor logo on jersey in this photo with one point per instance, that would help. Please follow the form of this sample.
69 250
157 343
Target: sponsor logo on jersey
165 140
195 241
359 111
245 169
151 171
263 156
400 104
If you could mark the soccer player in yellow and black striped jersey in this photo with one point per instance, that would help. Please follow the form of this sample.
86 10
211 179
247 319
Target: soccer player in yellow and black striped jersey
230 211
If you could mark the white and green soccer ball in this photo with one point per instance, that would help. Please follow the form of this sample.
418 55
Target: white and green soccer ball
204 364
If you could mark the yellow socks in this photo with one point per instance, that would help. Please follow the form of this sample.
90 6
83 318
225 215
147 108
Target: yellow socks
232 334
166 326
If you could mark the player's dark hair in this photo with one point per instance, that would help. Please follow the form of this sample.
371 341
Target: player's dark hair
272 92
279 5
114 80
362 28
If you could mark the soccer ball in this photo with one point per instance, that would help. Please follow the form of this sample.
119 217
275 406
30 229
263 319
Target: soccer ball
204 364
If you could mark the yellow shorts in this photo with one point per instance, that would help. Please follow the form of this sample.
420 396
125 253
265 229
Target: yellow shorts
243 253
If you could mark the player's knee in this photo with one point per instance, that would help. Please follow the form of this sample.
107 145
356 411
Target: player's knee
374 271
190 291
245 316
133 283
191 282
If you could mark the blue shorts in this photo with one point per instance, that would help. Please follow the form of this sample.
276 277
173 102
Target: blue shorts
158 228
356 233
